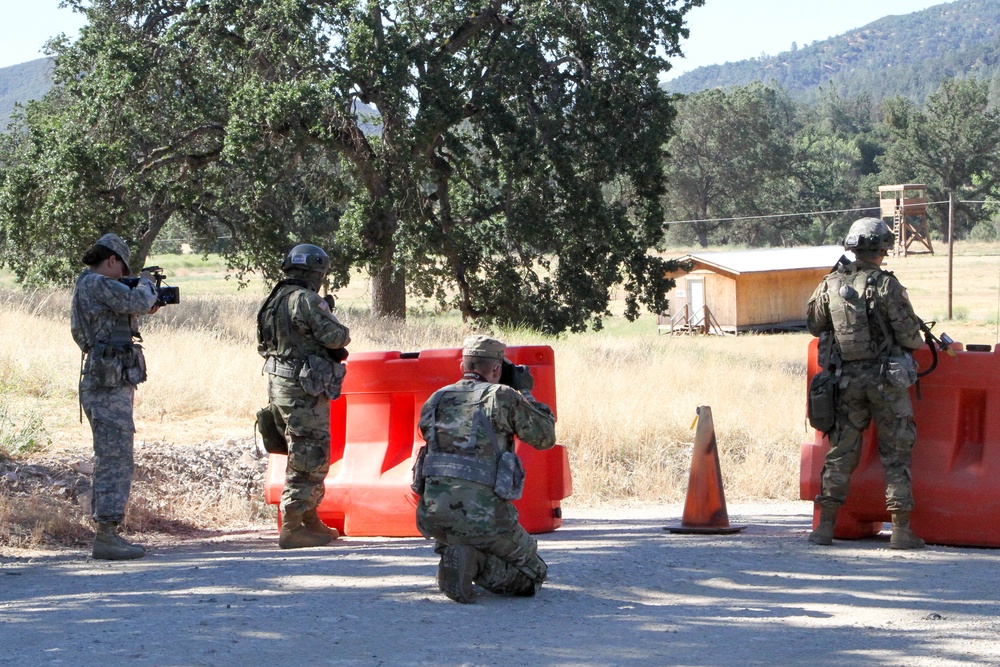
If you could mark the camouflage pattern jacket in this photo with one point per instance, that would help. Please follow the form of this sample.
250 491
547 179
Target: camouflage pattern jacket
886 302
295 333
474 506
103 321
296 322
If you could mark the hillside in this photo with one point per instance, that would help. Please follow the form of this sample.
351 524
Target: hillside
905 55
20 83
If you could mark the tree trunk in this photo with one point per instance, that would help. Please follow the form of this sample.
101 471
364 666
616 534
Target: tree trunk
388 280
156 216
702 232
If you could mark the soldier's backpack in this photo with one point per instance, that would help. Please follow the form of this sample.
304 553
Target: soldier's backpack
851 302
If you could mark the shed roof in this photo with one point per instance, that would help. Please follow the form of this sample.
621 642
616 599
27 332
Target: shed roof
769 259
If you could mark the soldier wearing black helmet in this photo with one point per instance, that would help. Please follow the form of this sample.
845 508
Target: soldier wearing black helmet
867 312
303 344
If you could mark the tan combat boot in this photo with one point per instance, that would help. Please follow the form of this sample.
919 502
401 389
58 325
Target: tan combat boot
294 535
824 531
903 536
311 520
109 545
460 565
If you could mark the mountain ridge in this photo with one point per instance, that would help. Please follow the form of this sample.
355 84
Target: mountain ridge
22 82
902 54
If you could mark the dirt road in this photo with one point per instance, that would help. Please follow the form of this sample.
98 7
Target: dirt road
621 592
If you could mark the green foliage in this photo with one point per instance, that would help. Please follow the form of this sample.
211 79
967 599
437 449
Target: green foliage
986 230
504 158
730 156
752 151
951 145
22 434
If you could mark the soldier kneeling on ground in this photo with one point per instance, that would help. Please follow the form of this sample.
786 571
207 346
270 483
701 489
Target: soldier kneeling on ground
467 474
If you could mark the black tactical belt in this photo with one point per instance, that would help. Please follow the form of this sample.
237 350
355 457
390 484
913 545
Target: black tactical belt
288 370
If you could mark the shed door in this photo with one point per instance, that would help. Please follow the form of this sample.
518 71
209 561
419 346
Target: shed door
697 300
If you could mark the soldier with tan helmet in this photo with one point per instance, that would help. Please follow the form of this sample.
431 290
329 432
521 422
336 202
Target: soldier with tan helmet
468 473
875 331
303 343
104 323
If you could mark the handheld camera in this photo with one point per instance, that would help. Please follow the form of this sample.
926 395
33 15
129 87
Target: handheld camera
165 294
516 376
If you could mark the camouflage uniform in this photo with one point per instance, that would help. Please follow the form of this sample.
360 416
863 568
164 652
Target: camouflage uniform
103 322
460 512
864 392
297 324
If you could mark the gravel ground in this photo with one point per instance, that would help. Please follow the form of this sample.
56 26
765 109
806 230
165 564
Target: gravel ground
622 591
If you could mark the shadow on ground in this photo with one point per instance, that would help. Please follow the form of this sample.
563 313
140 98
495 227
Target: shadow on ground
622 591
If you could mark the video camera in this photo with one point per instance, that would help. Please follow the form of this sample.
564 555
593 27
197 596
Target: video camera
516 376
165 295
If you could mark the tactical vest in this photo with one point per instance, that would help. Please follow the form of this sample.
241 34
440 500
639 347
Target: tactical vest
276 337
456 448
111 358
853 307
121 325
462 442
291 355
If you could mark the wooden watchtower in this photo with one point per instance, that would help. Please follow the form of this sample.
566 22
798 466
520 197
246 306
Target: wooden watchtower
906 206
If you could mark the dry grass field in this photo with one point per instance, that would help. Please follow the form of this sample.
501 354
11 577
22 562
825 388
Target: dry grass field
627 397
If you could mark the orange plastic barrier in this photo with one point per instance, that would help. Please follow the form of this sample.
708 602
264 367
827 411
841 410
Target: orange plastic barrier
956 460
374 437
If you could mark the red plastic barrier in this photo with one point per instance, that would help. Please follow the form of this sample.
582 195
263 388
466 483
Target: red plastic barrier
374 437
956 461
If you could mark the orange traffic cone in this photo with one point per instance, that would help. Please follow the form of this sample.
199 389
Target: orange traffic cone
705 506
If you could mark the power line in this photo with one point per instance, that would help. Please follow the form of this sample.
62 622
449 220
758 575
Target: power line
793 215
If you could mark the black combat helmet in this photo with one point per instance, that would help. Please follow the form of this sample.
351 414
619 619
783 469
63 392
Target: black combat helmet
306 257
869 235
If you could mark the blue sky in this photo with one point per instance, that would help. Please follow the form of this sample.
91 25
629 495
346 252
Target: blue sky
721 31
732 30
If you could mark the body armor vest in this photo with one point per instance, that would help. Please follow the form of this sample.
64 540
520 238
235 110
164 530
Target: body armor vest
852 304
276 337
462 443
119 336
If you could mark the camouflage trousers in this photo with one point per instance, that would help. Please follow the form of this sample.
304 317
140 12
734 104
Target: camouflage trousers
109 410
305 421
461 513
864 396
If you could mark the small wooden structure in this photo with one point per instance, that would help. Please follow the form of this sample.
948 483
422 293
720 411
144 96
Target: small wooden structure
904 208
747 290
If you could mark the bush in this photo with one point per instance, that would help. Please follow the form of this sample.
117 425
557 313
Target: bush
22 434
986 230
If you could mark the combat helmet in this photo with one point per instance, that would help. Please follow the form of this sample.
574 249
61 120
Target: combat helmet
306 257
869 235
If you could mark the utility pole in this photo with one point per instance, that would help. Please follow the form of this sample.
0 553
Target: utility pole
951 244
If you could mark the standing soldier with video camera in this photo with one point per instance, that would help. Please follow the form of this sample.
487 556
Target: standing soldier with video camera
303 343
103 320
467 474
